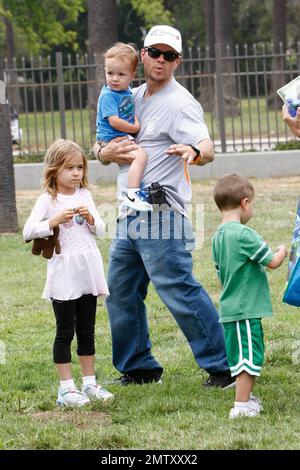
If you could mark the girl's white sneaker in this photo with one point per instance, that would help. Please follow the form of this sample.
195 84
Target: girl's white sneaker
96 392
71 396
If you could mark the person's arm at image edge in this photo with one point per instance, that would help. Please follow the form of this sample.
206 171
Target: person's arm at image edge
293 123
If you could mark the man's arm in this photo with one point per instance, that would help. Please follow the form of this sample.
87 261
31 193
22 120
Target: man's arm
117 150
187 153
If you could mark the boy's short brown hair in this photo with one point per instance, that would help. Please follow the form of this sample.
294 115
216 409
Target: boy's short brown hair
230 190
124 52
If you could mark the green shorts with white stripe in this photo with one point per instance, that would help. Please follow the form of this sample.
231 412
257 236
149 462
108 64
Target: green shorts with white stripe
244 342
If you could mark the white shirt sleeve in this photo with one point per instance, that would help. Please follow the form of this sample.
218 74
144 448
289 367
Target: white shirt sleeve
98 228
37 224
188 126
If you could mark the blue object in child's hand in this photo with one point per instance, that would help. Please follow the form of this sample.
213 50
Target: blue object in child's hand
292 105
79 220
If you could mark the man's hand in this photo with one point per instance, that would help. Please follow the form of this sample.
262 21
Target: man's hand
188 154
117 150
184 151
293 123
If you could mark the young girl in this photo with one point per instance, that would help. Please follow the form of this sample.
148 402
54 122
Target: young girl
75 277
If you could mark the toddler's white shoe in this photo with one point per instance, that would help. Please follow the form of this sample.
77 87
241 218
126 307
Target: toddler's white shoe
136 200
71 396
251 409
96 392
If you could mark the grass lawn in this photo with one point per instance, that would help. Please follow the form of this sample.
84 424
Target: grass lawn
180 413
254 122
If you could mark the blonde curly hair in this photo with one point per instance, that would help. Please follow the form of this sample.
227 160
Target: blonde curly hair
124 52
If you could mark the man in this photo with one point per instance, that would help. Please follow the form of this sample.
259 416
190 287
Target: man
174 135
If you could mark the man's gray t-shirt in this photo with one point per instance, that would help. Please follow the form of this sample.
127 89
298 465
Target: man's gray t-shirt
169 116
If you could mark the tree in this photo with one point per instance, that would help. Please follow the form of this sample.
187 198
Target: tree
153 12
13 92
103 33
279 48
52 22
224 43
209 15
8 211
130 24
207 94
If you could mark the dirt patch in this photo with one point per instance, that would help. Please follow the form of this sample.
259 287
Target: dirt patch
79 419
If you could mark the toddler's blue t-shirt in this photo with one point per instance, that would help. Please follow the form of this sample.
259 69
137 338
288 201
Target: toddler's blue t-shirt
113 103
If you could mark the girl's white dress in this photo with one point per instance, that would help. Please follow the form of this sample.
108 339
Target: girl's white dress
78 269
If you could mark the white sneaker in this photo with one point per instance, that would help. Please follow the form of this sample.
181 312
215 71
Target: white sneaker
96 392
249 410
71 396
256 401
137 203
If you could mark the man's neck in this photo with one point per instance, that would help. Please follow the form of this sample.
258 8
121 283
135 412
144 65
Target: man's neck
154 86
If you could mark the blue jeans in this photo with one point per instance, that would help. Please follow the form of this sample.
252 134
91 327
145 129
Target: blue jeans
152 246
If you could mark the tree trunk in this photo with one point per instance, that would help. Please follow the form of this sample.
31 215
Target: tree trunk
224 37
279 48
8 211
103 33
13 92
209 15
207 92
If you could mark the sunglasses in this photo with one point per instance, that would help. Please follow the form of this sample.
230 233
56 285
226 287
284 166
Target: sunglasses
154 53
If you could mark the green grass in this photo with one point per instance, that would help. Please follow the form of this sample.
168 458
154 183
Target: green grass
180 413
39 130
254 120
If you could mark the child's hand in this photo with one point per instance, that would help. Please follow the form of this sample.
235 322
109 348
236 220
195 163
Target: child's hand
61 218
83 212
136 125
282 248
280 254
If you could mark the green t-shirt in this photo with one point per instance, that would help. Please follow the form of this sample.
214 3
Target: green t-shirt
240 256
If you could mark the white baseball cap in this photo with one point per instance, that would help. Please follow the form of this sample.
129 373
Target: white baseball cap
163 34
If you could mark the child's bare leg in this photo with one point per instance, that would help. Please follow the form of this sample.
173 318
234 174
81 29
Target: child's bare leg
64 371
87 365
137 168
244 386
68 395
89 385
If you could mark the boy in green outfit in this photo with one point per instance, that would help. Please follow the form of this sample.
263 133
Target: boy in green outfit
240 256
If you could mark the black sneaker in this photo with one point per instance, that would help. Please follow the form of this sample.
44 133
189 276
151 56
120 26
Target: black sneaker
128 379
221 381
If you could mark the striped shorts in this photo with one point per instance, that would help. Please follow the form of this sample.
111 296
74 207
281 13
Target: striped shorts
244 341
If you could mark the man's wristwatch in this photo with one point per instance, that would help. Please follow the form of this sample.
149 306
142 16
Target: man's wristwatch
198 156
101 146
